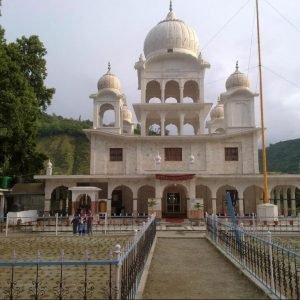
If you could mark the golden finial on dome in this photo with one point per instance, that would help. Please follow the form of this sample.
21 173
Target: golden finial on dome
171 8
109 67
237 65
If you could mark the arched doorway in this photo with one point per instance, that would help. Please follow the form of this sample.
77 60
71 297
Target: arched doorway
61 202
84 202
252 197
144 193
203 192
221 200
174 201
121 201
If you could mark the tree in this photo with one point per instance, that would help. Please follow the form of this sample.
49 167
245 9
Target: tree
22 98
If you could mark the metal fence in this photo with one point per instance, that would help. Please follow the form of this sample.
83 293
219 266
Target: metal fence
274 266
117 278
61 224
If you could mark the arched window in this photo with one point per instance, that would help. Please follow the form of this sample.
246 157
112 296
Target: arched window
172 129
172 91
191 91
107 116
153 90
188 129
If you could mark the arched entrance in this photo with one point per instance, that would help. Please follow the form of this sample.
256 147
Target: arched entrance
252 197
61 201
121 201
144 193
203 192
174 201
221 202
84 202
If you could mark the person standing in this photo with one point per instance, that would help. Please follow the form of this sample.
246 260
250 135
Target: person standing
75 223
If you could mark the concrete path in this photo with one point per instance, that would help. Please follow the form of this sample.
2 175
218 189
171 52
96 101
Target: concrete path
191 268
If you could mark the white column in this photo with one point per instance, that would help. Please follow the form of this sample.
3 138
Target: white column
293 201
163 95
181 121
162 124
285 202
118 116
47 204
241 207
214 205
134 207
181 94
278 202
96 116
108 207
143 124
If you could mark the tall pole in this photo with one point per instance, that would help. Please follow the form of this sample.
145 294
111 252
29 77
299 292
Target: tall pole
264 156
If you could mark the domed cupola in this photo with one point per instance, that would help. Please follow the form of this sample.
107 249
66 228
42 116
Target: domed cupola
217 112
109 81
171 35
126 114
237 80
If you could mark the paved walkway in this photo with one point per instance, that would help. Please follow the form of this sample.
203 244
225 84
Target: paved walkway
191 268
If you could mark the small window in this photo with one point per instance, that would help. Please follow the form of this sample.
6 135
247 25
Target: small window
173 154
231 154
170 50
116 154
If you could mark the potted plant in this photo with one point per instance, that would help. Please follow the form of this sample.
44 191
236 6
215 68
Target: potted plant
151 204
199 210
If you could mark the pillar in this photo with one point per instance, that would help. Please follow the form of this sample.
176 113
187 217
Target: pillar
285 202
47 204
135 207
293 201
162 95
143 124
162 124
214 205
241 207
181 94
108 207
181 121
278 201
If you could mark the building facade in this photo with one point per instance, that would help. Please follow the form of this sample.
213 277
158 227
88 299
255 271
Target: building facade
184 152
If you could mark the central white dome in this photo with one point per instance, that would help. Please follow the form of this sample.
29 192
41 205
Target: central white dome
171 35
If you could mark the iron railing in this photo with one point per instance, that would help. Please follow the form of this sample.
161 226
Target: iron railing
116 278
274 266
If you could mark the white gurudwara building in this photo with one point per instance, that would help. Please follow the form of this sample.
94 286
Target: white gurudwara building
210 149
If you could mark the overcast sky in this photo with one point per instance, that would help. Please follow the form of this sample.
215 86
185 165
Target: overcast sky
81 36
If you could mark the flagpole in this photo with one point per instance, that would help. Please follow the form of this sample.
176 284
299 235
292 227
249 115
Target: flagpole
264 156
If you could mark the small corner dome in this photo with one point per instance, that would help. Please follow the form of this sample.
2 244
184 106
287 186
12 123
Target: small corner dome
217 112
237 80
171 35
126 114
109 81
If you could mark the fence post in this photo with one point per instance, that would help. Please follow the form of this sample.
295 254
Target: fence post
116 255
105 222
241 245
56 223
269 235
6 226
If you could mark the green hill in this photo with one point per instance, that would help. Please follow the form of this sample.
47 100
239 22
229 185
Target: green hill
66 145
64 142
283 157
